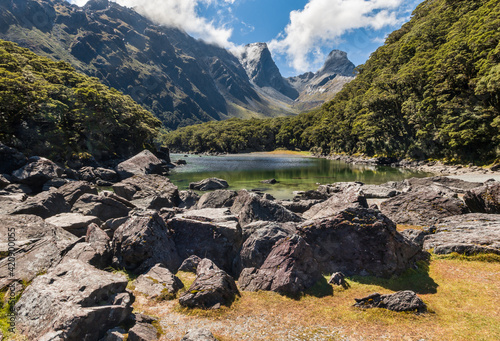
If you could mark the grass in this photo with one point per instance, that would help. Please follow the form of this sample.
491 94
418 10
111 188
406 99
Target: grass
462 297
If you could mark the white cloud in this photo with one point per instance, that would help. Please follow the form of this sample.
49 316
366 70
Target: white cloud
323 22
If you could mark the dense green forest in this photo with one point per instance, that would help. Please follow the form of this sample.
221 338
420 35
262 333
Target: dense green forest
432 91
49 109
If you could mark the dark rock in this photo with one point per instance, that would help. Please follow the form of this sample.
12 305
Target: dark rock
4 181
73 301
399 301
180 162
208 184
158 283
74 223
290 269
418 236
142 332
103 206
360 241
270 181
485 199
299 206
217 199
421 207
349 197
338 279
105 174
190 264
75 189
11 158
143 163
45 205
142 242
188 199
18 188
38 171
211 287
250 207
199 335
39 246
96 250
115 334
467 234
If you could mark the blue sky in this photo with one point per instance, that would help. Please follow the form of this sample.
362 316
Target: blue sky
300 33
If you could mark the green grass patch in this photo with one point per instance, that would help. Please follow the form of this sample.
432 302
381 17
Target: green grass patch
480 257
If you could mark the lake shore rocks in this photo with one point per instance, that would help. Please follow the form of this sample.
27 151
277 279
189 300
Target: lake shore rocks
484 199
143 163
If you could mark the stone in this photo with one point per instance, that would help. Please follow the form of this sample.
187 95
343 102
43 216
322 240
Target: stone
74 223
188 199
350 196
217 199
338 279
438 182
379 191
39 245
299 206
270 181
142 332
421 207
190 264
400 301
250 207
142 242
75 189
158 283
54 183
96 250
103 206
198 335
289 269
44 205
115 334
11 158
211 287
485 199
310 195
37 172
418 236
4 182
18 188
73 301
360 241
468 234
143 163
209 184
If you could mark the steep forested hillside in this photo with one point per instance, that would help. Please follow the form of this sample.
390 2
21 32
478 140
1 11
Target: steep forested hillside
49 109
433 90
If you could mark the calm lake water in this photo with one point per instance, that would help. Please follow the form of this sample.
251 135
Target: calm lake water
294 173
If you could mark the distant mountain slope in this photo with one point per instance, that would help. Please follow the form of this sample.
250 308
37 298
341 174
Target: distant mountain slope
49 109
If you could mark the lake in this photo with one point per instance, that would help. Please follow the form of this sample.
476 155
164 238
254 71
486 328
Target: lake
294 173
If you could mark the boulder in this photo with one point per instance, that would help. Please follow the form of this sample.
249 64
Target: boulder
143 163
289 269
104 206
269 181
379 191
18 188
418 236
44 205
350 196
115 334
360 241
39 246
142 242
54 184
190 264
212 288
338 279
437 182
198 335
466 234
188 199
73 301
421 207
310 195
400 301
4 181
339 187
250 207
74 223
217 199
158 283
11 158
37 172
75 189
208 184
484 199
142 332
96 250
299 206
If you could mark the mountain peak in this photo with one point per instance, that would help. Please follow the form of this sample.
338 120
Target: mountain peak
338 63
96 5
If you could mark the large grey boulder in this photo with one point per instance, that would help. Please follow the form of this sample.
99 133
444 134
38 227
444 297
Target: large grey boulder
158 283
142 242
250 207
217 199
143 163
422 207
198 335
484 199
142 332
208 184
105 206
212 288
73 301
289 269
37 172
466 234
360 241
188 199
96 250
75 189
38 246
348 197
44 205
400 301
74 223
11 159
190 264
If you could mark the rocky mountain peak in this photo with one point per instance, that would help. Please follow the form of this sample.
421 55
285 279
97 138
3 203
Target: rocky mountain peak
96 5
337 63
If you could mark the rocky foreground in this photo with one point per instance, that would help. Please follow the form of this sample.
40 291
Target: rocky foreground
65 237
